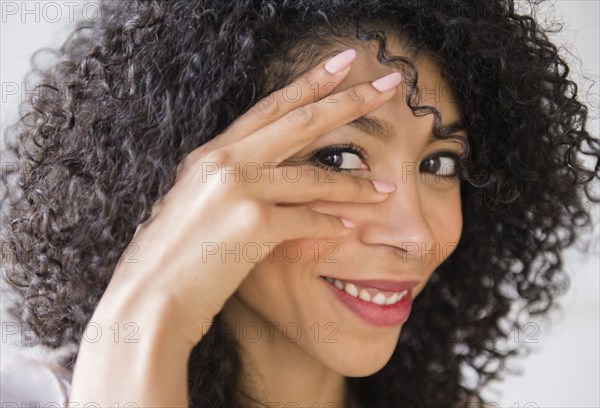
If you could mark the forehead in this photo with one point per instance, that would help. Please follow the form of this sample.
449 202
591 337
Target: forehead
433 89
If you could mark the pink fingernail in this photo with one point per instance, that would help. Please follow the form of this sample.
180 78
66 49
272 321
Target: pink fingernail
384 186
348 223
340 61
387 82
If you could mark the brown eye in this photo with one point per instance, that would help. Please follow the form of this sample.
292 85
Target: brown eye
343 161
445 166
340 158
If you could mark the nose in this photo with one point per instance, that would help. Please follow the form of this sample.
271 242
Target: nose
400 222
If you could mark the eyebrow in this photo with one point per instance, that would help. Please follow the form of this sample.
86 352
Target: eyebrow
385 131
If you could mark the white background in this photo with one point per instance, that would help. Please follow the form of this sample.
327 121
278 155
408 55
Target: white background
563 369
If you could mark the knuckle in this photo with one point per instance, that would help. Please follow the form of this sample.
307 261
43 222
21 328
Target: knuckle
268 107
359 185
251 215
312 218
218 156
313 81
313 77
215 166
356 97
305 117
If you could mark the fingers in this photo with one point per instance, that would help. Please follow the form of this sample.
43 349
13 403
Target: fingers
279 140
302 222
299 184
316 84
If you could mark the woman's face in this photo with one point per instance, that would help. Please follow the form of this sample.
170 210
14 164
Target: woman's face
404 238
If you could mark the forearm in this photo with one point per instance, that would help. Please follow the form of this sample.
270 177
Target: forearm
144 365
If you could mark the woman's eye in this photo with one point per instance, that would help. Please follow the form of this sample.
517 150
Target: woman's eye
340 158
350 157
446 166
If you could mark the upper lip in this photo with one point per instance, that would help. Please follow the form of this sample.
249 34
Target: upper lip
384 285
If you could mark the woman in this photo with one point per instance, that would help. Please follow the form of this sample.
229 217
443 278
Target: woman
247 200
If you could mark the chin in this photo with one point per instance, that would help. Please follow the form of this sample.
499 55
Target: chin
363 371
358 367
358 358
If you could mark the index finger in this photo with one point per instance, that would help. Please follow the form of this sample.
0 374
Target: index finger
304 125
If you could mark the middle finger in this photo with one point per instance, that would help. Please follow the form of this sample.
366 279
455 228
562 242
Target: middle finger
307 183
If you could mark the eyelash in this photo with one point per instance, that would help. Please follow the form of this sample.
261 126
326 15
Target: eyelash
337 149
459 160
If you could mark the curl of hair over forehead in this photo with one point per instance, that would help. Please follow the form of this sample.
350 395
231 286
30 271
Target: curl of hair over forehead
133 93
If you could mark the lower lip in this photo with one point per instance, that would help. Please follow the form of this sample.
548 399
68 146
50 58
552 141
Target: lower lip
376 315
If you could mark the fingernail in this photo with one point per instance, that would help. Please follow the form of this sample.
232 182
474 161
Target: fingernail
384 186
387 82
340 61
348 223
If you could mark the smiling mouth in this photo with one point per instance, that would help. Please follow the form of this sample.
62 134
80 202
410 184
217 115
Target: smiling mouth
366 293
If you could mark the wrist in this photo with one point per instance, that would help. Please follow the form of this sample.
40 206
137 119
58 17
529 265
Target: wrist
132 319
131 355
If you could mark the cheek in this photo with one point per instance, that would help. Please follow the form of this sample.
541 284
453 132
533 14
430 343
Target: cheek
448 227
284 271
446 221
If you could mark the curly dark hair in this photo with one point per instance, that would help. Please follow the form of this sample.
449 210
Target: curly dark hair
136 91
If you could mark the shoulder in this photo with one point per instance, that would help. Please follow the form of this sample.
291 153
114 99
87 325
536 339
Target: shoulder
30 382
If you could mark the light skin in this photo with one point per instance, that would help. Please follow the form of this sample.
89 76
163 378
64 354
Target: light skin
172 293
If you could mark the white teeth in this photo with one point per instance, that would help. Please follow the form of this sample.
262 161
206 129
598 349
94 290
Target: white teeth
402 294
379 299
364 295
392 299
351 289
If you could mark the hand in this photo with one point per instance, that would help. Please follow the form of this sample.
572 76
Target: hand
212 202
